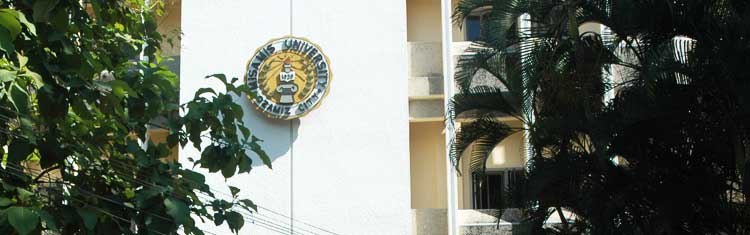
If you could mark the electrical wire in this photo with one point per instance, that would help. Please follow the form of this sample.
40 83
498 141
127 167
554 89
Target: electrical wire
78 200
230 196
207 196
260 222
213 191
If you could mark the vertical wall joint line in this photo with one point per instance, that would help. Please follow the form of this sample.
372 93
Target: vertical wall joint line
291 138
291 176
448 85
291 17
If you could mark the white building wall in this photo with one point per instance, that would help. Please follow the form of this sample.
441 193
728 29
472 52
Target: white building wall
350 156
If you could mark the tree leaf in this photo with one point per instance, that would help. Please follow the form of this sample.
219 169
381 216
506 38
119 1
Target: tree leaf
245 131
229 168
177 209
31 27
249 204
49 221
24 194
35 78
19 150
119 27
80 108
255 147
121 88
204 90
23 219
5 202
7 76
6 41
89 217
20 98
235 221
52 103
194 177
218 218
129 193
9 21
220 76
244 164
143 196
234 190
22 60
42 9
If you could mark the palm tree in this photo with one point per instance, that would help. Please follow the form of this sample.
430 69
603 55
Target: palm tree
667 154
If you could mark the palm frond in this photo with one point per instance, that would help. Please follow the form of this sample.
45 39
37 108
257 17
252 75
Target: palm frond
481 136
500 66
473 62
467 7
484 101
679 103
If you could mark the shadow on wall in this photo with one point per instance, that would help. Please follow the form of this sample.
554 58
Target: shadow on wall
277 135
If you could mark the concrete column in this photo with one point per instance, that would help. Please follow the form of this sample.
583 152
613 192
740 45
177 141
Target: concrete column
448 86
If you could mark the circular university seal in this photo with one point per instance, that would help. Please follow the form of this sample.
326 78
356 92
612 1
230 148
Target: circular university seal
288 77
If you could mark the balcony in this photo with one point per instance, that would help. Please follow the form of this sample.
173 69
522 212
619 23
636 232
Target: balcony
426 79
470 222
475 222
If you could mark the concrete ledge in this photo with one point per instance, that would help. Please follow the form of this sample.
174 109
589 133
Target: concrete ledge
425 59
493 229
429 221
485 216
424 86
471 222
426 108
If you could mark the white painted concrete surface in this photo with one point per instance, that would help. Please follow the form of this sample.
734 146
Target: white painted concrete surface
350 156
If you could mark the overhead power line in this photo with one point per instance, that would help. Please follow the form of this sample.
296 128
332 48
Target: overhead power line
262 223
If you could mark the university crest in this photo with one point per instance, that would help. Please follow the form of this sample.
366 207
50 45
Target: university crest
288 77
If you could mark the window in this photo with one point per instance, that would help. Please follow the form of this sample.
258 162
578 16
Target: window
491 190
473 28
473 25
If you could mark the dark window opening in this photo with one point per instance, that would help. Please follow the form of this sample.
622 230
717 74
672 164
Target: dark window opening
475 24
492 190
473 28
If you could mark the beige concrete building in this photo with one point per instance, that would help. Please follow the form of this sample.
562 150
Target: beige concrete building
415 189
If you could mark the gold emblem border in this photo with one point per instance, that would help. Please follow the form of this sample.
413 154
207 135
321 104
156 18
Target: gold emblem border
314 107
